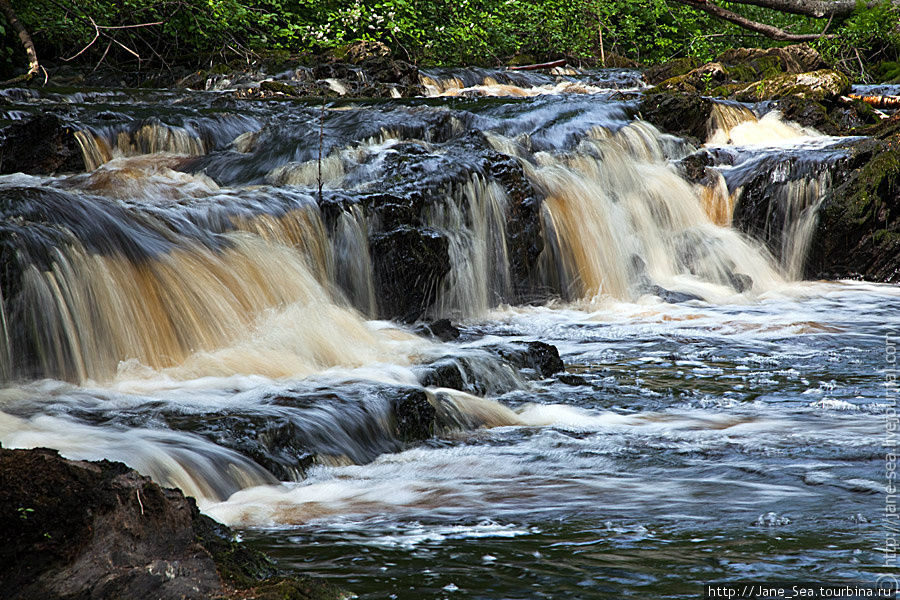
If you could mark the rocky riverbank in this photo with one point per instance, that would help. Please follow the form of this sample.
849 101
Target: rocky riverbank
77 529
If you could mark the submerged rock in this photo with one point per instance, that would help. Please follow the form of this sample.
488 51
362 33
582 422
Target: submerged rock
75 529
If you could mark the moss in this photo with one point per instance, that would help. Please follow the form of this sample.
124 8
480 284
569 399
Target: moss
278 87
879 179
670 69
816 85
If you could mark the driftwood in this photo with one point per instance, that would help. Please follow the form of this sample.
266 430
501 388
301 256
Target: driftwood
878 101
546 65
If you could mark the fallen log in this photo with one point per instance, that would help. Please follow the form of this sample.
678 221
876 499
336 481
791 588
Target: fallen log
547 65
878 101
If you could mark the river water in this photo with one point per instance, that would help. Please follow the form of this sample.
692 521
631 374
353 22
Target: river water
736 432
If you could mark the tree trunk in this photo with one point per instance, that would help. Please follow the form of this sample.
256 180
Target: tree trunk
24 37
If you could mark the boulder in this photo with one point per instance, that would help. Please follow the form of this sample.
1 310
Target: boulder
672 68
541 357
39 145
830 116
858 233
815 85
684 115
754 64
75 529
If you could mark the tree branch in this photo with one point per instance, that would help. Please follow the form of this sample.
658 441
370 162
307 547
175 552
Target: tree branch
818 9
33 64
767 30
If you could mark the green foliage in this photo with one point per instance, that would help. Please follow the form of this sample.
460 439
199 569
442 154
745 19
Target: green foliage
424 31
870 35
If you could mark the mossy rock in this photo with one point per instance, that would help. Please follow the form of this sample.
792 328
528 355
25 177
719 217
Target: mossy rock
680 114
700 80
815 85
521 60
673 68
278 87
889 72
858 234
617 61
753 64
829 116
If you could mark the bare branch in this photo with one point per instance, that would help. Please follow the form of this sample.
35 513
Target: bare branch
91 43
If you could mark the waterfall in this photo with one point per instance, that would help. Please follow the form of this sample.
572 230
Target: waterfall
623 220
143 262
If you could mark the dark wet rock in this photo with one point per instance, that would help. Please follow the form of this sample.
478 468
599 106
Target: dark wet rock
698 167
524 235
858 233
272 440
541 357
40 145
441 329
73 529
482 372
414 416
684 115
296 430
572 379
409 265
447 373
831 116
882 129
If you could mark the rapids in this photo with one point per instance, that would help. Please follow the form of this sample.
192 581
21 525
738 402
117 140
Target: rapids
224 300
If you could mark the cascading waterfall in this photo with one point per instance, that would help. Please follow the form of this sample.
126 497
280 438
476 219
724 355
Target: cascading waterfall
194 138
479 266
622 219
618 221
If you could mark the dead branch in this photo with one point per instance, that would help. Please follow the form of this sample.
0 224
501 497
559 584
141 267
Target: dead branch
878 101
769 31
33 64
101 30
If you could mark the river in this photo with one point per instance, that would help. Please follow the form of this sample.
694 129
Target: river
207 303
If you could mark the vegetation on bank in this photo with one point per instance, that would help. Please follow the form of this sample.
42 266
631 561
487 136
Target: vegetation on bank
166 33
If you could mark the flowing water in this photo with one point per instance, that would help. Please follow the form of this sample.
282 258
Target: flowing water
206 304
